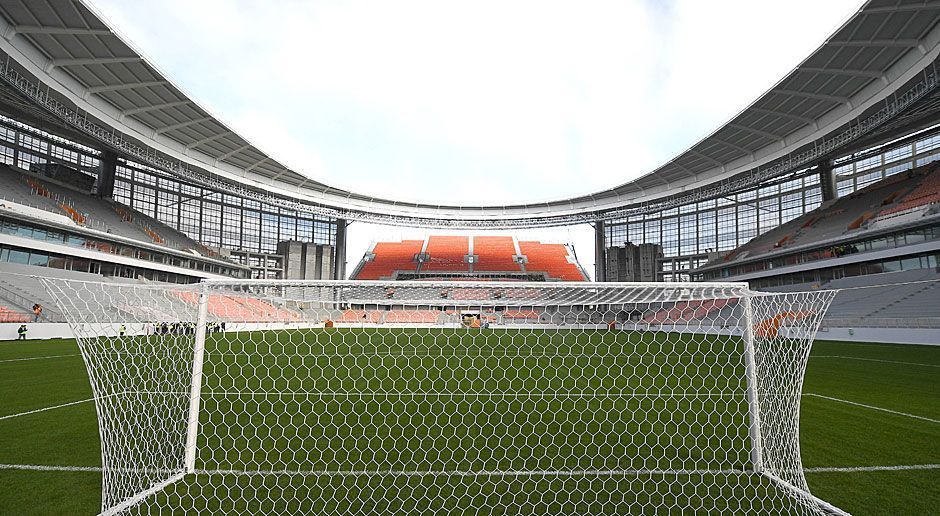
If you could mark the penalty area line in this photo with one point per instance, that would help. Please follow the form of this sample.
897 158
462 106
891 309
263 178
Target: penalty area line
38 358
36 411
872 407
876 360
43 467
866 469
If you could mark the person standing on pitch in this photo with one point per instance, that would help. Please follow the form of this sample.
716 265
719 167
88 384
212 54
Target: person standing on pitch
122 330
21 332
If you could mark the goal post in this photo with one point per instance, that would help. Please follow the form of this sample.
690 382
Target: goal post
435 397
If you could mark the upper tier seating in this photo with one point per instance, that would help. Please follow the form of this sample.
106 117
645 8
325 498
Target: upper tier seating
928 192
494 253
447 253
90 211
551 259
390 257
447 257
878 204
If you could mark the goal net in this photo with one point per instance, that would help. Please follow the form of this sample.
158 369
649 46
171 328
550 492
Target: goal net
446 397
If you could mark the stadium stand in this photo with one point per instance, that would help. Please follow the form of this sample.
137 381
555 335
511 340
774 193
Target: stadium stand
876 246
241 308
9 315
387 258
494 258
20 288
904 294
446 253
90 211
361 316
837 228
555 260
926 193
686 311
495 253
412 316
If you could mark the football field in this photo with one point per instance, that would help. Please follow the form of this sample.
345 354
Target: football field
282 402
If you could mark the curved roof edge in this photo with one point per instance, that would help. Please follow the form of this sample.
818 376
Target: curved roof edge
871 68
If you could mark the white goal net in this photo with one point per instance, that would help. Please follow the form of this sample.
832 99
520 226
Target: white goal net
325 397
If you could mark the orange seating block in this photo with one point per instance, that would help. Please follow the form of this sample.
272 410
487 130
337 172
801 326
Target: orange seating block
494 253
389 258
446 253
551 259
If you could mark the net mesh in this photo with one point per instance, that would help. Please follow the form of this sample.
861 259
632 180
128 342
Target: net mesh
446 398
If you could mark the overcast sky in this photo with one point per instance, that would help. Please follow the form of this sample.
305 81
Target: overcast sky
475 102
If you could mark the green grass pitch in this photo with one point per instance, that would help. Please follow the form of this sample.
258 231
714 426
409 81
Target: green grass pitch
905 380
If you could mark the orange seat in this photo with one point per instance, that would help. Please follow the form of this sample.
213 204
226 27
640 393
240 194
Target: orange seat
390 257
447 253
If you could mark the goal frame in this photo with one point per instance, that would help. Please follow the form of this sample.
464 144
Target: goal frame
207 287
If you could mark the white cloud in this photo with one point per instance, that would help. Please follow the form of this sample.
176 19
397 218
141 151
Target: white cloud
483 102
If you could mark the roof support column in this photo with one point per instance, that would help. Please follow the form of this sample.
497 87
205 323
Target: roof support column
106 172
600 252
827 181
339 256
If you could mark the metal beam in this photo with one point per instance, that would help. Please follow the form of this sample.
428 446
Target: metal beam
804 119
255 164
817 96
75 31
926 6
678 165
872 74
732 145
208 139
155 107
765 134
897 43
182 125
125 86
232 153
707 158
76 61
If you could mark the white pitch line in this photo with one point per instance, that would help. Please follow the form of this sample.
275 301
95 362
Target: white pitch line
430 394
11 416
38 358
872 407
864 469
41 467
875 360
821 469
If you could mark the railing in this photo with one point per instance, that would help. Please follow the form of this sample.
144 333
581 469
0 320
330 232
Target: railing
49 314
880 322
90 222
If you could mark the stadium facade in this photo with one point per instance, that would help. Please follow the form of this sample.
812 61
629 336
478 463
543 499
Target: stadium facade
862 107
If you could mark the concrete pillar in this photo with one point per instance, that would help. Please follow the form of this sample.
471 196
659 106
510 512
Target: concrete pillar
339 262
106 172
600 252
827 181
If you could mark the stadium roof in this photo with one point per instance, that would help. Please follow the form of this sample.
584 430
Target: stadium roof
876 66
